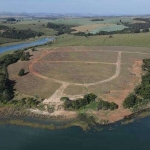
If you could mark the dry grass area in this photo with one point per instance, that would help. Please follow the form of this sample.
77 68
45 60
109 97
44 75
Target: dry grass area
88 28
53 73
85 56
75 90
75 72
118 89
30 84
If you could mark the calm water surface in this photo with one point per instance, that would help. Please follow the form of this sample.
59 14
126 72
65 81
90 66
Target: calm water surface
25 45
133 136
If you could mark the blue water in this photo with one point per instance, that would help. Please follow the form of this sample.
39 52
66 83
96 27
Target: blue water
133 136
25 45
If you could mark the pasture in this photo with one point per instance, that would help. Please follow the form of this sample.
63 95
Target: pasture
132 40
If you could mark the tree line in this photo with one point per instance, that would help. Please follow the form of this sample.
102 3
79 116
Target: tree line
131 28
6 86
77 104
60 28
97 19
141 94
87 99
18 34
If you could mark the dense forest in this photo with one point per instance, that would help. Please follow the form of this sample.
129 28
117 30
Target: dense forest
18 34
60 28
86 100
131 28
2 27
97 19
6 86
105 105
76 104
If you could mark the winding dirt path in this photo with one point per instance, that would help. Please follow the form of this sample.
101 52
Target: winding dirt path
60 92
118 64
85 62
55 98
57 95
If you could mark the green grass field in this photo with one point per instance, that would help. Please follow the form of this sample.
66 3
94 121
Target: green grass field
8 40
139 40
108 28
87 21
35 26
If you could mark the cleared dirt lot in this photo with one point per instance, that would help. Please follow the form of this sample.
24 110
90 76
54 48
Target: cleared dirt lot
53 73
87 28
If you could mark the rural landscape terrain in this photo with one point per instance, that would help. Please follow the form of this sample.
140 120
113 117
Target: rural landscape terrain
96 68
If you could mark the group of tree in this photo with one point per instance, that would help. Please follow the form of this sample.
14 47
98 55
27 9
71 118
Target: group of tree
25 102
130 28
98 19
142 19
18 34
21 72
6 86
25 56
77 104
10 19
87 99
2 27
105 105
141 93
61 28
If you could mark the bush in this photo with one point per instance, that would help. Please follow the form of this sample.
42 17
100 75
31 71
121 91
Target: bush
113 106
130 101
21 72
78 103
105 105
146 30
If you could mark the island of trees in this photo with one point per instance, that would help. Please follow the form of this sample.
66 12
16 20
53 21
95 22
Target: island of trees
13 33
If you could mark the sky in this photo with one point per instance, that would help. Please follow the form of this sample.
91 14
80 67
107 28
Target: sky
101 7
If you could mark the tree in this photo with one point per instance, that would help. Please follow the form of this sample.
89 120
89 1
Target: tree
130 101
21 72
146 30
6 95
113 106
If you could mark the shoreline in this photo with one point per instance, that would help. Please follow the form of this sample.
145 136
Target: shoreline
38 121
25 41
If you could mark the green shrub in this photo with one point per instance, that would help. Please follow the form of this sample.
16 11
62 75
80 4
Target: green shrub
21 72
113 106
105 105
131 101
78 103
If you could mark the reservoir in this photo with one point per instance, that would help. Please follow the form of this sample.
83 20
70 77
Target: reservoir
133 136
25 45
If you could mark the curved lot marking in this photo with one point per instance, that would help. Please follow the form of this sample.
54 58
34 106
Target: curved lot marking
118 64
59 93
88 62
